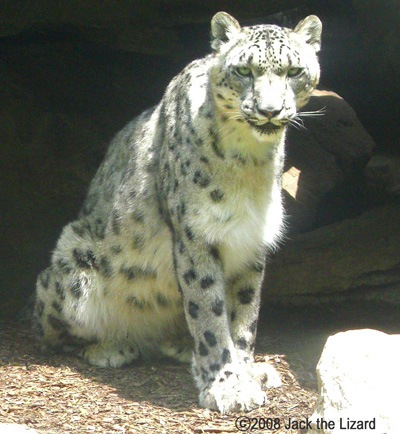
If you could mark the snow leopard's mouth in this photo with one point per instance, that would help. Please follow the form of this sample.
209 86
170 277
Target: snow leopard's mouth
267 128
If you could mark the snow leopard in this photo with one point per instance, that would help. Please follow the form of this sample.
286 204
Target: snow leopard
167 255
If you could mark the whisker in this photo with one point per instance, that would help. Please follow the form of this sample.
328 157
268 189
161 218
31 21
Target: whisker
294 125
319 112
234 113
236 116
298 120
297 123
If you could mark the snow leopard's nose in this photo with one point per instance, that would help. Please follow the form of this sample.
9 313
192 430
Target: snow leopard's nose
268 112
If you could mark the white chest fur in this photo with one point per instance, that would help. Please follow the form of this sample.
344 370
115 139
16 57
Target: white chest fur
250 215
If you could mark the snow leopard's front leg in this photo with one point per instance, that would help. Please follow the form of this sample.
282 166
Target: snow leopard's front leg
244 293
225 382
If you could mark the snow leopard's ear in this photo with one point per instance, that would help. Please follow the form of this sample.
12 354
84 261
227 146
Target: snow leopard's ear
310 29
223 28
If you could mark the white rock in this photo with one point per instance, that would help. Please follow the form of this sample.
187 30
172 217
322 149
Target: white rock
12 428
359 384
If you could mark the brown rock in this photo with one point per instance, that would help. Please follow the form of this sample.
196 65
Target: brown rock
383 174
357 254
332 149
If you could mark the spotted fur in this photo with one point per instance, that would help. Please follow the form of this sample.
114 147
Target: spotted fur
167 254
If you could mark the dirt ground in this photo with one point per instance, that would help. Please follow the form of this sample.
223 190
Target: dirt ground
61 394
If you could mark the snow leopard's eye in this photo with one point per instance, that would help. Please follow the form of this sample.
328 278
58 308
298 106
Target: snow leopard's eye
294 72
244 71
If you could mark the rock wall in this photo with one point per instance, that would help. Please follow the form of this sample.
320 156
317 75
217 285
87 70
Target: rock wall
150 27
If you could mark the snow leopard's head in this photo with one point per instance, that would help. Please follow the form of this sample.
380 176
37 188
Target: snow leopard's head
263 74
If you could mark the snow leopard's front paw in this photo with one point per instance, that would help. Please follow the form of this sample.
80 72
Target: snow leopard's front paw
265 374
110 355
233 390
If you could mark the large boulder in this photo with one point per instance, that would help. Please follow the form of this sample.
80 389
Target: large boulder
332 149
359 255
383 175
358 383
